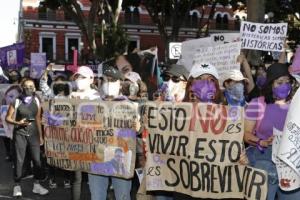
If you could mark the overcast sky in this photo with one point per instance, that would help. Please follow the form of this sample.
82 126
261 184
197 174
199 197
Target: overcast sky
9 10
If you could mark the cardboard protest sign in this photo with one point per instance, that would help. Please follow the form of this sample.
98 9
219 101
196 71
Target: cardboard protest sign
264 37
6 129
289 150
91 136
195 149
3 88
223 38
288 178
189 49
223 57
12 56
38 64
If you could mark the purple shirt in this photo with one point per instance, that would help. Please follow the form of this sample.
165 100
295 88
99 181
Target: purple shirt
274 117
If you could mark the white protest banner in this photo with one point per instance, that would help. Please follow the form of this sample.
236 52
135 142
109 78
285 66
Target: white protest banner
189 49
223 38
38 64
288 178
195 149
91 136
223 57
264 37
289 150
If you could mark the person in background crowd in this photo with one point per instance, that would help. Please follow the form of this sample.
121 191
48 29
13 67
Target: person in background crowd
262 115
246 72
234 84
25 72
11 94
260 80
60 86
130 86
83 78
27 132
14 77
60 90
98 184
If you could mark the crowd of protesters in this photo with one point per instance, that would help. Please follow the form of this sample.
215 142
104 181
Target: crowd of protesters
121 80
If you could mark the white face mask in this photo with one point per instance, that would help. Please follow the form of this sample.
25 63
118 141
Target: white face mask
83 84
176 91
111 88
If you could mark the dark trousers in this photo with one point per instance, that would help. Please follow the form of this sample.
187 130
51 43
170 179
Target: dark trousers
7 143
20 144
76 185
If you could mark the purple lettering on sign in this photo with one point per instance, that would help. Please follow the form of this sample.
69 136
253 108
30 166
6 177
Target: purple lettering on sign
126 133
88 109
102 168
53 120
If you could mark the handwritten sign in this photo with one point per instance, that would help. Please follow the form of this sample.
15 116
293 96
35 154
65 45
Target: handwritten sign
91 136
223 57
264 37
38 64
189 49
289 150
195 149
224 38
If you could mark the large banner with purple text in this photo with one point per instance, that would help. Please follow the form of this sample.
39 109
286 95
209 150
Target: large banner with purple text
91 136
195 149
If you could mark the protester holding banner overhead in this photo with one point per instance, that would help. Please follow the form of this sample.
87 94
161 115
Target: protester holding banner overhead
263 114
98 184
83 78
27 132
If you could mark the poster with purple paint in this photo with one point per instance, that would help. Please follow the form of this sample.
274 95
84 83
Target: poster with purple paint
12 56
38 64
91 136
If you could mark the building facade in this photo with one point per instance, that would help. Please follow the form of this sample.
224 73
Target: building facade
54 32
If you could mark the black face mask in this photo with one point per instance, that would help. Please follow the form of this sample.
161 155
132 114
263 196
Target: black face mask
28 92
13 78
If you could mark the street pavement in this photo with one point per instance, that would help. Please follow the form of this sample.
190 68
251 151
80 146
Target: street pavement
7 183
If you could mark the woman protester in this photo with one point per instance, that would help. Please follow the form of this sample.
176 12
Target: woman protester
98 184
25 114
263 114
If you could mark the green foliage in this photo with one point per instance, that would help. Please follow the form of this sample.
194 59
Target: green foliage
115 41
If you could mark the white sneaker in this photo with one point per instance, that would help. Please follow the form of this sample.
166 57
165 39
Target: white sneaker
17 191
38 189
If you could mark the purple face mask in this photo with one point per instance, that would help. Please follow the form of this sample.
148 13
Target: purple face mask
204 90
261 81
282 91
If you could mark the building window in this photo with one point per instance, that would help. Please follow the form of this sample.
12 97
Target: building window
136 16
42 12
48 45
127 15
133 43
72 41
225 22
194 20
219 21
